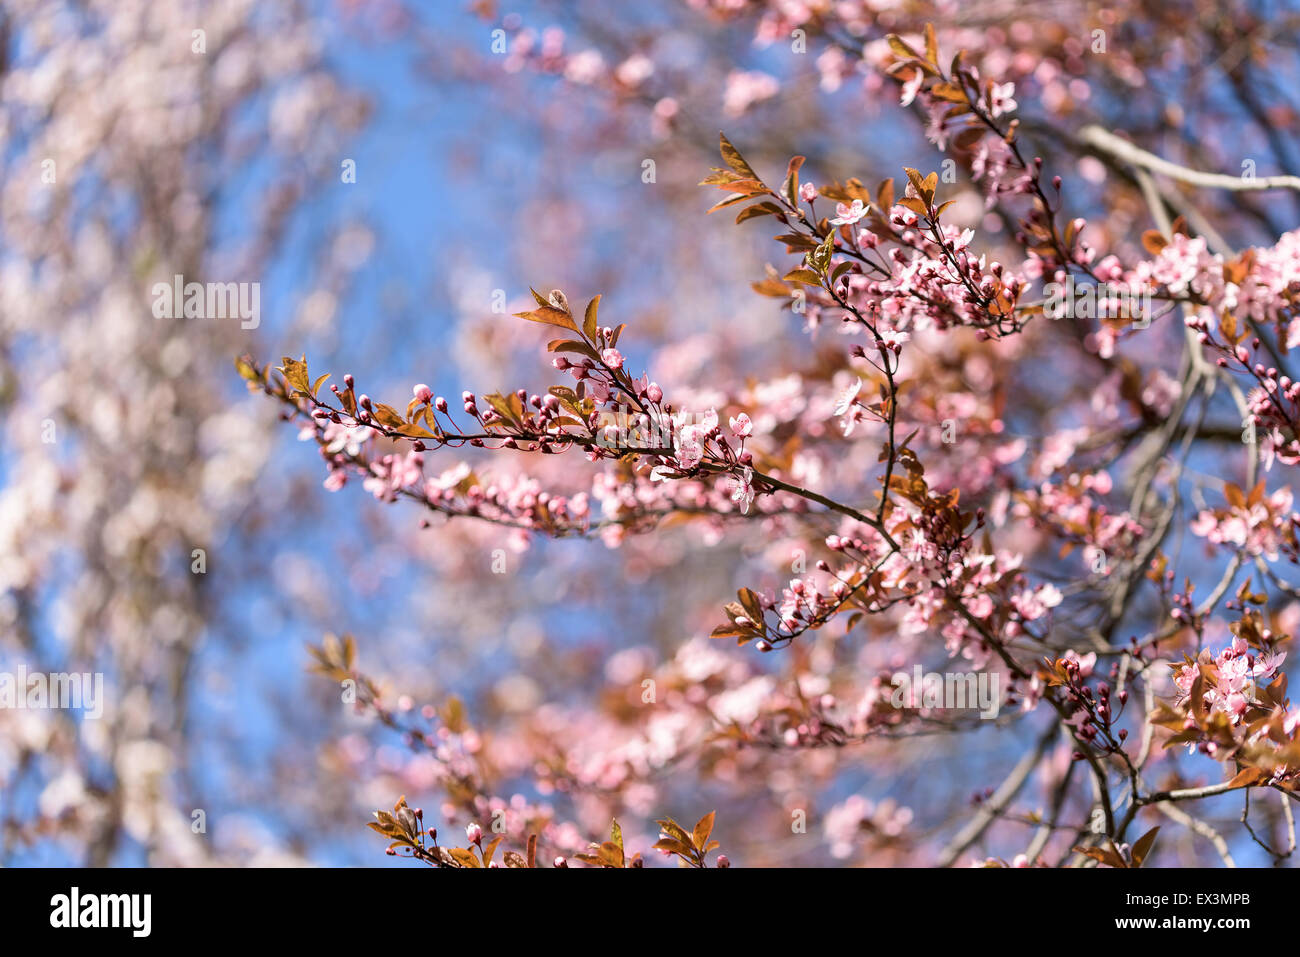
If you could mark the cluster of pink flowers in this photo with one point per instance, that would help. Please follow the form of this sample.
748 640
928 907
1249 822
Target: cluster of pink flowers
1260 524
1266 291
691 461
933 280
1220 298
857 822
1239 673
1073 510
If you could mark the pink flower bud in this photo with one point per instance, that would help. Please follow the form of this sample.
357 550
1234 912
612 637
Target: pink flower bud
474 833
422 393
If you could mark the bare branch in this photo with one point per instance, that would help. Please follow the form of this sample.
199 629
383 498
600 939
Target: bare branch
1108 142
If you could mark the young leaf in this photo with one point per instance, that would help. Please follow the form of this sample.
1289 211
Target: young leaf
589 324
551 316
900 47
1247 777
1142 846
464 857
733 158
790 188
759 209
295 373
703 828
491 849
674 830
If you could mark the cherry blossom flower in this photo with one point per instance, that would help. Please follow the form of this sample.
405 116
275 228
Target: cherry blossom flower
1001 99
849 213
744 491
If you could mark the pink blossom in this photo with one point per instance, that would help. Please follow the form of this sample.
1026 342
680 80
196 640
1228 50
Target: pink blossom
744 490
1001 99
847 214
